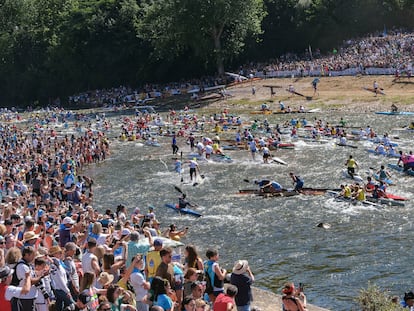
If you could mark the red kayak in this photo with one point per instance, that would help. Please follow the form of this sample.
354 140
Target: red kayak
395 197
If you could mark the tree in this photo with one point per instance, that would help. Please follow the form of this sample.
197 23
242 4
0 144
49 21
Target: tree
215 30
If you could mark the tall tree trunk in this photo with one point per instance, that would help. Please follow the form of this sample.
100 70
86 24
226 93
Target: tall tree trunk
218 54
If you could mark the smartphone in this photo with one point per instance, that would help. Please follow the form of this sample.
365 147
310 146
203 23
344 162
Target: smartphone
301 287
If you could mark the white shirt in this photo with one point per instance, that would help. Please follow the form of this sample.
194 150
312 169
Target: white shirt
21 270
137 281
87 262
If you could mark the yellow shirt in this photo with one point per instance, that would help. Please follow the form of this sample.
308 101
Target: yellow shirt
153 260
360 195
347 192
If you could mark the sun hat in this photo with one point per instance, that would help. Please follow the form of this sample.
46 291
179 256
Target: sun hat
240 267
29 235
68 220
105 278
55 249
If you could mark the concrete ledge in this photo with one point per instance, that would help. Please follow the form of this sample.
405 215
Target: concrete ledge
268 301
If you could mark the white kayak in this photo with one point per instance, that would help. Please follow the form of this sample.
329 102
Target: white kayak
356 176
279 160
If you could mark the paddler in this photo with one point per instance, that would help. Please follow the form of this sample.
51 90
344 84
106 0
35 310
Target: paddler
193 168
383 174
359 193
346 191
351 165
297 181
266 154
183 203
268 186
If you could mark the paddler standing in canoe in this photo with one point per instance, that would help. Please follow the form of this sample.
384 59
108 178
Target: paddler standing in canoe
297 181
351 165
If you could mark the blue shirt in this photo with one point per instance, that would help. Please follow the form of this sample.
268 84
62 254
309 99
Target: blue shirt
164 302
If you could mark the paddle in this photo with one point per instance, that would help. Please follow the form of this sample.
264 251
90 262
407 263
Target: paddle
181 159
179 189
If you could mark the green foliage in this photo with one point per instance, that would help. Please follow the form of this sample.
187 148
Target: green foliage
373 299
213 30
51 48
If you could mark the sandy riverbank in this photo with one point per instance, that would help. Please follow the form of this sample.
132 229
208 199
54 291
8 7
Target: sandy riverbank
334 93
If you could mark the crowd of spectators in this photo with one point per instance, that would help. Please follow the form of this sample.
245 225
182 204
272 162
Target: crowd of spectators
377 53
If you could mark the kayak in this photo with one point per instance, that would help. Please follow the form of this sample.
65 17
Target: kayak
347 145
279 160
400 169
213 157
386 154
386 180
357 177
395 113
395 197
187 211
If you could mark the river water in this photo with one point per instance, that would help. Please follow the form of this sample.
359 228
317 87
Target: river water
278 236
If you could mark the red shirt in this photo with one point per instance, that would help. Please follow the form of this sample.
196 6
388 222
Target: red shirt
221 302
5 304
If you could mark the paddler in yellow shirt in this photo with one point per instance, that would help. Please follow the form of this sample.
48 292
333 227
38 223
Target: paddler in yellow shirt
346 191
359 193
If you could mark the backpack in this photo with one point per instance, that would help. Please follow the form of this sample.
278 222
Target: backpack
15 280
209 282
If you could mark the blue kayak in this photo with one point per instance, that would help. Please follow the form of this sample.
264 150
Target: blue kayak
386 180
386 154
401 169
187 211
395 113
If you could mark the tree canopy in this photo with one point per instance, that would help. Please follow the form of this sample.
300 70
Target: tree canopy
52 48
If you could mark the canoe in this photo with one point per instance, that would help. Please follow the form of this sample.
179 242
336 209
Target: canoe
261 112
400 169
346 145
395 113
357 177
385 201
187 211
379 91
282 146
339 198
283 193
304 191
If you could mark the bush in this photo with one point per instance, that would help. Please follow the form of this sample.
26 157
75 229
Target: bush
373 299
